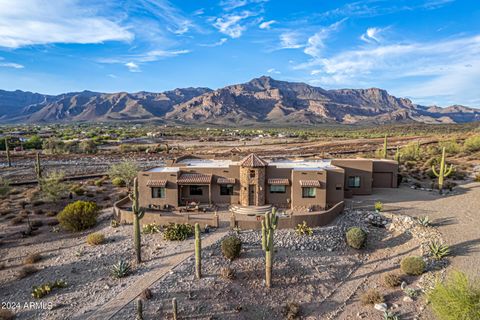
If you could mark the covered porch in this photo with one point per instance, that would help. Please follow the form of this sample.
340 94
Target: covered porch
194 192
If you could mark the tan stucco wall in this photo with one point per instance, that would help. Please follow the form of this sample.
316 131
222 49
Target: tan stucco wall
335 186
357 167
299 203
279 200
171 189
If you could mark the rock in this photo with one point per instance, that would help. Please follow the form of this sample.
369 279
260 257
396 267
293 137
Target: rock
380 307
407 299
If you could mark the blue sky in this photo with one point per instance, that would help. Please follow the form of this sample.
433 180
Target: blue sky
426 50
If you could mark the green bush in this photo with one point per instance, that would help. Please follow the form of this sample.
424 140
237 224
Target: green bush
472 144
457 298
118 182
378 206
451 146
150 228
95 239
413 265
303 229
44 289
231 247
4 186
177 231
356 237
52 186
126 171
78 216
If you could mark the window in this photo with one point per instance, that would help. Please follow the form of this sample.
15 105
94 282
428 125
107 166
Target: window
196 191
158 192
278 189
308 192
354 182
226 189
252 173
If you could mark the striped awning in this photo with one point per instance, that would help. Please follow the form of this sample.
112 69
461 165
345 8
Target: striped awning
310 183
157 183
195 178
279 182
226 180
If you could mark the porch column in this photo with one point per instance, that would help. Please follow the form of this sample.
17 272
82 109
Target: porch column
209 194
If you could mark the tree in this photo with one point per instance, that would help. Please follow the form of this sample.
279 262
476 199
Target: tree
52 186
126 170
34 142
88 146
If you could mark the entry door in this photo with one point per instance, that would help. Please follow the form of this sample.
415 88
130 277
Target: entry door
251 195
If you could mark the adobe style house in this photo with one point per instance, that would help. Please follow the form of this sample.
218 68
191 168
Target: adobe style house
303 185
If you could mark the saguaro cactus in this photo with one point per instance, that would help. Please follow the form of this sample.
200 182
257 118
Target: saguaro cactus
443 173
398 155
198 252
385 146
139 310
174 308
38 168
269 224
7 149
138 214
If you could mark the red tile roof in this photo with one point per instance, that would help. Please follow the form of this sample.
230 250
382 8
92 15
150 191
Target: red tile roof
195 178
279 182
157 183
226 180
310 183
252 160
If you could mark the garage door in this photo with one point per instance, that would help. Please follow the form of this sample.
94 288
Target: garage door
382 179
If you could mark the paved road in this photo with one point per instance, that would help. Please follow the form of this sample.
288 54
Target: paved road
457 217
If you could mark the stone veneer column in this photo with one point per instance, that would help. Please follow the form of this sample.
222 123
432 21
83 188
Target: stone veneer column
258 181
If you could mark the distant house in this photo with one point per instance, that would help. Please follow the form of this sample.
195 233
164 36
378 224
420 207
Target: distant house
253 181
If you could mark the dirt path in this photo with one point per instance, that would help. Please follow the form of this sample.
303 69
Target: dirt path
457 217
108 310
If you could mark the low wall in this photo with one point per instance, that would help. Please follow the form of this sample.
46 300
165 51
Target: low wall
162 218
313 219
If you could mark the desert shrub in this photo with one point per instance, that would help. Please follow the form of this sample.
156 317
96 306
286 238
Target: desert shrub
411 152
77 189
99 182
6 314
303 230
477 177
78 216
231 247
424 221
392 280
126 171
4 186
44 289
451 146
52 186
378 206
26 271
95 239
177 231
409 292
356 237
291 311
121 269
438 251
413 265
150 228
472 144
114 223
118 182
32 258
457 298
227 273
371 296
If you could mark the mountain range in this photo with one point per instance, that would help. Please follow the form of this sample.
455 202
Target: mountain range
260 101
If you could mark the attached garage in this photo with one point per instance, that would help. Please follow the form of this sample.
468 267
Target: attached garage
383 180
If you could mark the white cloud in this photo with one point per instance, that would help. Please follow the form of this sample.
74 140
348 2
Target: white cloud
372 35
290 40
267 24
174 20
315 43
133 67
215 44
32 22
420 70
229 5
273 70
230 24
11 65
